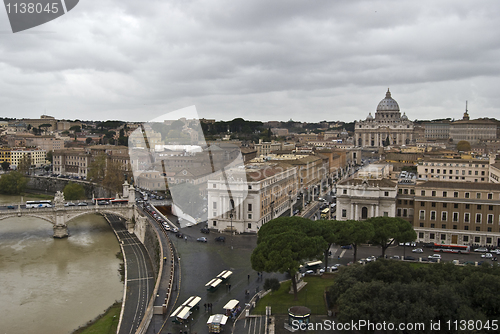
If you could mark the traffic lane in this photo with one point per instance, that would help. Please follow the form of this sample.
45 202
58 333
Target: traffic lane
366 251
140 277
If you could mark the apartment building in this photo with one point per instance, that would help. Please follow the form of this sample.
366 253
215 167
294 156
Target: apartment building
74 162
37 156
458 170
270 191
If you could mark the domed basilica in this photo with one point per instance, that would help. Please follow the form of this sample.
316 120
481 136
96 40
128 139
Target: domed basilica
388 127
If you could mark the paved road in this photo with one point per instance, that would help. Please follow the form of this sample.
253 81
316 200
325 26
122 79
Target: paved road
140 280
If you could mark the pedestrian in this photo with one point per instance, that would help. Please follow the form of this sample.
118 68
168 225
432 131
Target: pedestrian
205 305
165 259
229 287
248 277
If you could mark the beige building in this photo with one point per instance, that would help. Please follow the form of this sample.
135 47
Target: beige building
458 170
460 213
270 191
388 124
473 130
37 156
74 162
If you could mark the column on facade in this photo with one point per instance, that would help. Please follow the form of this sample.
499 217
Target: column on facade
356 215
373 211
397 139
356 136
351 214
376 211
363 139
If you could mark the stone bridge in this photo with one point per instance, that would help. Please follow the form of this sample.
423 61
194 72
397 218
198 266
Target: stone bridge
59 215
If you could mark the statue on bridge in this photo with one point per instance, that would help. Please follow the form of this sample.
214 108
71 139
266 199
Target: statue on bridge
59 199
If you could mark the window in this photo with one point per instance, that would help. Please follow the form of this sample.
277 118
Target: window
467 195
445 193
249 225
214 186
479 206
405 202
386 193
214 205
421 224
478 195
490 196
488 239
477 240
466 217
421 235
490 219
433 204
249 206
214 223
455 216
422 215
444 215
386 214
443 236
466 227
467 206
431 236
433 225
422 193
445 205
466 238
455 205
439 171
399 212
406 191
344 191
249 187
478 218
433 215
412 191
249 216
433 193
478 228
490 207
455 227
344 213
422 203
405 212
455 194
399 202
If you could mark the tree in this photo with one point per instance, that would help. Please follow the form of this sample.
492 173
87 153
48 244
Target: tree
463 145
272 284
74 191
12 183
389 229
5 165
284 243
359 232
49 156
328 230
114 176
75 128
88 140
97 168
24 164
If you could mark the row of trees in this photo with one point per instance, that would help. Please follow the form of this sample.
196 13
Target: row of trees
12 183
284 243
107 172
398 292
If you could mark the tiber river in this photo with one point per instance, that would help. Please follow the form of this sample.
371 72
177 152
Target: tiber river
51 286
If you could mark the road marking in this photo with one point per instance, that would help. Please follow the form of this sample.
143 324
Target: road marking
343 252
137 279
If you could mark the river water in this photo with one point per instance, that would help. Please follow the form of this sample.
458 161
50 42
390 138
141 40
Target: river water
51 286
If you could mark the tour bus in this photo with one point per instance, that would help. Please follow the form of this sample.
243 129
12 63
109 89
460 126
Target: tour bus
325 214
102 200
38 204
119 201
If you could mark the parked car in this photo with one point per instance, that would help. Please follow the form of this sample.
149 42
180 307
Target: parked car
395 257
82 204
179 235
346 247
409 258
70 204
11 207
205 230
417 250
481 249
202 239
434 256
220 238
371 258
487 255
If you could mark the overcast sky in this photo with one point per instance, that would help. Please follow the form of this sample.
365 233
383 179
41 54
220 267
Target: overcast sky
308 60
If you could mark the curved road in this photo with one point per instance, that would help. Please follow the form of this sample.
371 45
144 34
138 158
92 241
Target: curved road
139 278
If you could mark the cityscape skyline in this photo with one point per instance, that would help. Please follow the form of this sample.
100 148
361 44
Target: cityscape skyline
329 61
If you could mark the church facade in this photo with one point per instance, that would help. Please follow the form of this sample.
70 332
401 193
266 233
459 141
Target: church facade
388 127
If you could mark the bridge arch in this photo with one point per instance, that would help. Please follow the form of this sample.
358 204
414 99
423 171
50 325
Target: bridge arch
15 215
95 212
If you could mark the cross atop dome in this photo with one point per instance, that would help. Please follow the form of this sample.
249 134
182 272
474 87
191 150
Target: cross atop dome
388 94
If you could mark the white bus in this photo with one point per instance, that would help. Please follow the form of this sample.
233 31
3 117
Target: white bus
38 204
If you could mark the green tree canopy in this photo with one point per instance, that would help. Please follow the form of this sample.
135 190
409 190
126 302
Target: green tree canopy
12 183
74 191
284 243
463 145
5 165
359 232
389 230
